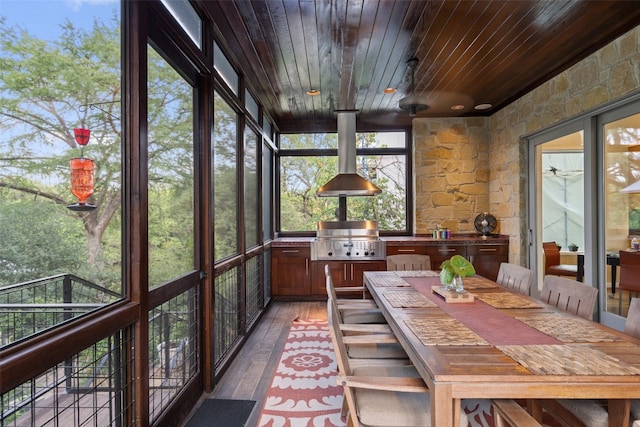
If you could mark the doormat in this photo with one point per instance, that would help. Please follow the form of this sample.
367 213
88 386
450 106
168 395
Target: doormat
221 413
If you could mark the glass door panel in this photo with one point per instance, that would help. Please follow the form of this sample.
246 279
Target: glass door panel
558 207
621 141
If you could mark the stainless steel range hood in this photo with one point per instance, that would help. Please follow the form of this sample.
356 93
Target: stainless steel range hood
347 182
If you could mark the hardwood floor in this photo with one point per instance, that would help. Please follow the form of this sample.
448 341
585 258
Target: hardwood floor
250 374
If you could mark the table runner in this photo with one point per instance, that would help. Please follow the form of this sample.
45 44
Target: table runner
492 327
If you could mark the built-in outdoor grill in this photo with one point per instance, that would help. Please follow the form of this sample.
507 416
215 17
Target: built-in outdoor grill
348 240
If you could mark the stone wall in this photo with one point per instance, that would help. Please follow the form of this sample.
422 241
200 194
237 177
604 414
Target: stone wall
607 75
466 166
451 172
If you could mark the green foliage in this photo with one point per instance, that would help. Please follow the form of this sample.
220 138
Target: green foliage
456 265
301 176
37 240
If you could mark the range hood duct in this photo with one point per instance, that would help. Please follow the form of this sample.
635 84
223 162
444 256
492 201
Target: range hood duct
347 182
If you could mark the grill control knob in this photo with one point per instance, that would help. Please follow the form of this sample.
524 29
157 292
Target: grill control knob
366 253
372 253
330 254
348 253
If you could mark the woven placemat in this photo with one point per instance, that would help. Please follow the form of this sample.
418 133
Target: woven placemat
568 359
391 280
569 329
443 331
408 299
471 283
417 273
506 300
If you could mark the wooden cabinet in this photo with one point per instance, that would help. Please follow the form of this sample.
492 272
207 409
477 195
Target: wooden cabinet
487 257
444 250
293 274
291 271
343 273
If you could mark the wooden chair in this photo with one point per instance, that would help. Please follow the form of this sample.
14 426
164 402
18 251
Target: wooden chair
515 277
354 311
507 413
629 275
407 262
552 262
382 395
350 289
570 296
590 412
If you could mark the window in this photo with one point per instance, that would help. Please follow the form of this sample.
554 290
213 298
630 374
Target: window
187 17
306 164
224 67
171 172
225 193
251 195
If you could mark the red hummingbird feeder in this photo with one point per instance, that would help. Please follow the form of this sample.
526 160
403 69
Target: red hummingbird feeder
82 172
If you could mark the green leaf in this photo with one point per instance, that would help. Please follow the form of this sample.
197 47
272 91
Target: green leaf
462 266
446 276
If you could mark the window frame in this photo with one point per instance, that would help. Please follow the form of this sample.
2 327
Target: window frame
406 151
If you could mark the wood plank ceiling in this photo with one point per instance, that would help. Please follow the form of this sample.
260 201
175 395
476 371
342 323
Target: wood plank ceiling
469 53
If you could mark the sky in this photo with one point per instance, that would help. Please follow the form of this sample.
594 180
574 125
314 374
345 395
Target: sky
43 18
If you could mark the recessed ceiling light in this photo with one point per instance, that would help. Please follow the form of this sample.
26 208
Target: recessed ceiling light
457 107
313 92
390 90
483 106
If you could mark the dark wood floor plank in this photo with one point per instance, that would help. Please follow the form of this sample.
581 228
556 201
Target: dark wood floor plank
250 374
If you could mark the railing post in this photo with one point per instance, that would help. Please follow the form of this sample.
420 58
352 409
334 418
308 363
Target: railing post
67 314
166 332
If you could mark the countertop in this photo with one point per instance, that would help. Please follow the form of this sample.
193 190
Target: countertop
403 240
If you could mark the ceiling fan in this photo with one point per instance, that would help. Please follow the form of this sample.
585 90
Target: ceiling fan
412 103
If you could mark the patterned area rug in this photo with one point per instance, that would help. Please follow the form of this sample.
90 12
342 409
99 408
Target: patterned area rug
304 393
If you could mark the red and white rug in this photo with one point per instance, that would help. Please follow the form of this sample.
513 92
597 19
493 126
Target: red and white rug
304 392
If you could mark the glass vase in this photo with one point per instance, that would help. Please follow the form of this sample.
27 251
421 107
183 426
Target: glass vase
456 284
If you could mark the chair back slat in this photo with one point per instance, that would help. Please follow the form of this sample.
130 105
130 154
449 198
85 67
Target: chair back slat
408 262
569 295
515 277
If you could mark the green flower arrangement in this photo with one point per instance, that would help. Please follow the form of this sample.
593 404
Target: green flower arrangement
452 271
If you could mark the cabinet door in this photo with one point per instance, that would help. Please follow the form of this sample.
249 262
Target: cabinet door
358 269
486 258
343 273
290 271
441 252
336 269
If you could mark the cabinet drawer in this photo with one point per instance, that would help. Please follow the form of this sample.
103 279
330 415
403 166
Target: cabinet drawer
488 249
302 252
395 250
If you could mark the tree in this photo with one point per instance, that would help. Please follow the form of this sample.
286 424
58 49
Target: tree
48 89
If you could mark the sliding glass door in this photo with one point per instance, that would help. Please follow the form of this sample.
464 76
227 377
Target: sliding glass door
619 131
556 188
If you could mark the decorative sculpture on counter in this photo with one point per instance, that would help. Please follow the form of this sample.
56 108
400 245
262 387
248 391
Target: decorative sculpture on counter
82 171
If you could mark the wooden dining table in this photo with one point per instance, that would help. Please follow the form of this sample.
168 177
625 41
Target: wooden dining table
500 344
